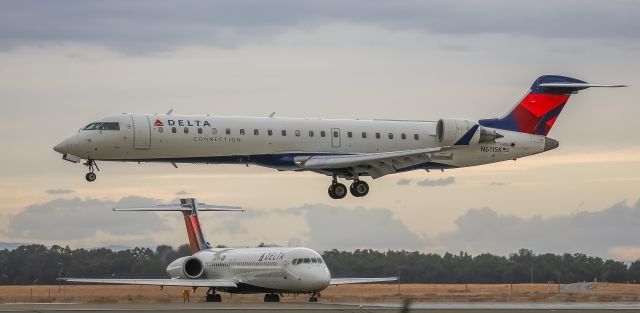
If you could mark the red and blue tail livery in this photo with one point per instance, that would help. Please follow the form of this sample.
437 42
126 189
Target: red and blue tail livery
539 109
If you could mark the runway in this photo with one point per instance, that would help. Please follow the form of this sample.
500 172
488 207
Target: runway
448 307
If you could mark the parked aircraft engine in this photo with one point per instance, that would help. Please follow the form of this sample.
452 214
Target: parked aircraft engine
186 267
450 132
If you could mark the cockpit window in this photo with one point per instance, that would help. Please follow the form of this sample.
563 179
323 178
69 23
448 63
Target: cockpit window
103 126
314 260
110 126
306 260
92 126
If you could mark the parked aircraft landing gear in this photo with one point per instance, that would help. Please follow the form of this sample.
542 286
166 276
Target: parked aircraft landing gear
91 176
213 297
337 190
359 188
314 297
271 297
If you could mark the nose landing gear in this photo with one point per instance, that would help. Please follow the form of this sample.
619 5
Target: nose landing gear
314 297
91 176
271 297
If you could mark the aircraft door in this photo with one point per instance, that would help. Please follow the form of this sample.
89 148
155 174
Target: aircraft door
335 137
141 131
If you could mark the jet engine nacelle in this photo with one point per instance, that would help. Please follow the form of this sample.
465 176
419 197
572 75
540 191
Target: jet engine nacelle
186 267
450 132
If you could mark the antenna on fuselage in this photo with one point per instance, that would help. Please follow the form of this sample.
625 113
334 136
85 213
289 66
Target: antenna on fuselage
272 114
170 111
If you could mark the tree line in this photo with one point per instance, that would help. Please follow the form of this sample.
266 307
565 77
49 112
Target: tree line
38 264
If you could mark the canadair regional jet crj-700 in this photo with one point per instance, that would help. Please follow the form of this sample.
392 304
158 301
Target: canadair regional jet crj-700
340 148
270 270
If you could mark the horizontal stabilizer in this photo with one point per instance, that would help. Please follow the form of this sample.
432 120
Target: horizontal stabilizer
157 282
178 208
345 281
577 85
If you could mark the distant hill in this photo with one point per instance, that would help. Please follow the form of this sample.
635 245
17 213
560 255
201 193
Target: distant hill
11 245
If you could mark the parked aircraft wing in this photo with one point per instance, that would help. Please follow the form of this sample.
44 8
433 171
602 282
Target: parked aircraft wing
157 282
344 281
374 164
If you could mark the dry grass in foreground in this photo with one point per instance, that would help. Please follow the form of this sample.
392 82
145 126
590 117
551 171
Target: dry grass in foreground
375 292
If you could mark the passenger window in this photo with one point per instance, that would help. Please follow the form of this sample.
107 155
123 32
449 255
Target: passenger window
284 132
336 134
377 135
199 130
270 132
173 130
403 136
390 135
160 130
214 131
364 135
311 133
255 132
228 131
416 136
242 131
349 134
322 133
186 130
297 133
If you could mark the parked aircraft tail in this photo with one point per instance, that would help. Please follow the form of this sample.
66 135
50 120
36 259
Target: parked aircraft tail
189 208
538 110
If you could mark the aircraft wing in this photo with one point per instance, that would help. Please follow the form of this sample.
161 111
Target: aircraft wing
157 282
373 164
345 281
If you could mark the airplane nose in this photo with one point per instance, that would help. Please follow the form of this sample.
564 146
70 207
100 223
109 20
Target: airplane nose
59 147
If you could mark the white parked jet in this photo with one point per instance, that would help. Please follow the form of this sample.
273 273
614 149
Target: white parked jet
348 149
270 270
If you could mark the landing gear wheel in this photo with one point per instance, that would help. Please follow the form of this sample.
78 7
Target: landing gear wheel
359 188
213 298
313 297
271 297
91 176
337 191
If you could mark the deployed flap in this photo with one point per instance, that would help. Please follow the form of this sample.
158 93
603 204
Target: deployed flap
157 282
345 281
376 164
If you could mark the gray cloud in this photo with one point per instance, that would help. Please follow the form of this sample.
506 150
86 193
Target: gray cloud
594 233
342 228
65 219
436 182
403 182
497 184
151 25
58 191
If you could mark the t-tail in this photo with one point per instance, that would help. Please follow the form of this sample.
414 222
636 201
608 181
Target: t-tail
539 109
189 208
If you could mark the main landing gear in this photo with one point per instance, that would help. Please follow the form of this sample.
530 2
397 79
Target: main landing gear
91 176
338 191
212 296
271 297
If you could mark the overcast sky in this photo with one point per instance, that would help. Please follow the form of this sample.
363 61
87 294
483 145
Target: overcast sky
66 63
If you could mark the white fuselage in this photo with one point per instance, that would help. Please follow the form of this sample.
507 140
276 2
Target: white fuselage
274 142
271 269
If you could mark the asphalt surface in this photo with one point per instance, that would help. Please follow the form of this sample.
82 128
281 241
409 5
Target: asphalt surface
453 307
